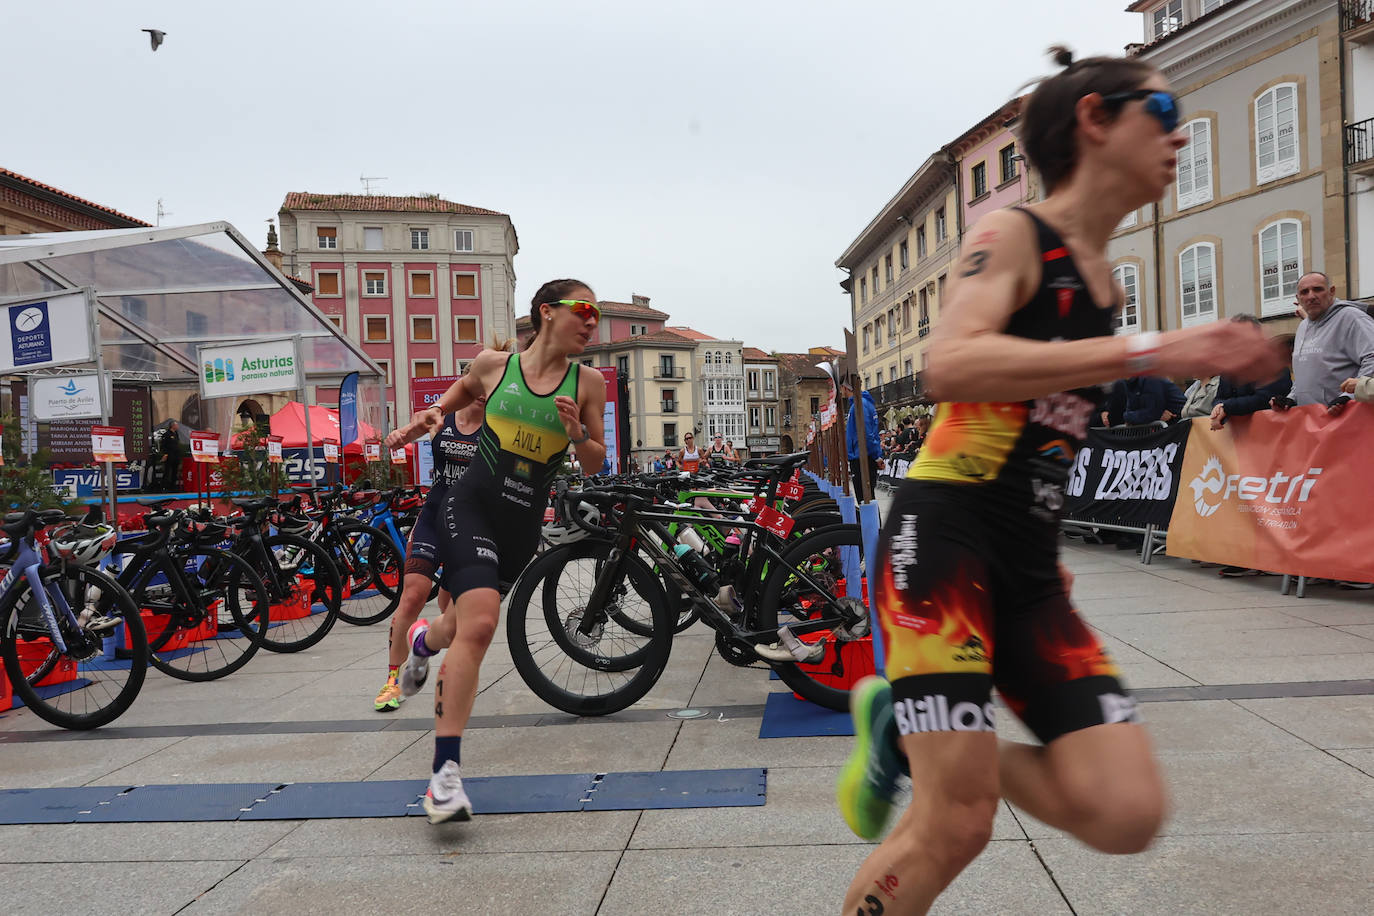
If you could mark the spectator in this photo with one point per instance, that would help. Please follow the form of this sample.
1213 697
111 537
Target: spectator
851 433
1362 389
170 450
1199 398
1236 400
1335 341
1142 400
731 455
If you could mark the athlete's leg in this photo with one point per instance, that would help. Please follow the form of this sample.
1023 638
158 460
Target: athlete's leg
475 613
1100 784
949 821
414 595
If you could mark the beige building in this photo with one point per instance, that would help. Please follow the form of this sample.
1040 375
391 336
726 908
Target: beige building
720 394
898 269
1260 193
762 403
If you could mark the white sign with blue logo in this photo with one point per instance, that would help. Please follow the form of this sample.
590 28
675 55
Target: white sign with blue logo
45 332
67 397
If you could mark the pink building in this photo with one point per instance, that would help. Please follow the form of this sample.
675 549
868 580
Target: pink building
992 174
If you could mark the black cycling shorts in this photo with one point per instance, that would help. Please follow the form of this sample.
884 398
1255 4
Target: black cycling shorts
485 544
969 597
422 552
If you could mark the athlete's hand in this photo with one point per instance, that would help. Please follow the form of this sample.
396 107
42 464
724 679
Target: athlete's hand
569 415
1235 349
421 422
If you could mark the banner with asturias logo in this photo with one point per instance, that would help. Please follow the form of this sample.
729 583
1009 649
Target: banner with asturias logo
1282 492
260 367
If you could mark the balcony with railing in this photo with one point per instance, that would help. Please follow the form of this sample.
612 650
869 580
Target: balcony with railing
898 392
711 370
669 372
1357 20
923 327
1359 146
669 406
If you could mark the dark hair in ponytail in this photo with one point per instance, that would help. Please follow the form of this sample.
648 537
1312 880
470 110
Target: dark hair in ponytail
1048 118
551 292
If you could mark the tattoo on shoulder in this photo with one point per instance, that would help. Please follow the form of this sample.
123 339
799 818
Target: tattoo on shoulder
977 260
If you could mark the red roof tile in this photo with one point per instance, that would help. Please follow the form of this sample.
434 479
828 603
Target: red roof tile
670 336
80 201
691 333
756 353
632 309
302 200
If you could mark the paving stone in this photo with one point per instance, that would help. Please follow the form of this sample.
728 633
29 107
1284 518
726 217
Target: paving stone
1327 722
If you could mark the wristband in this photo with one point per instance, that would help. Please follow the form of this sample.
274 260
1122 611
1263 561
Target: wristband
585 436
1142 353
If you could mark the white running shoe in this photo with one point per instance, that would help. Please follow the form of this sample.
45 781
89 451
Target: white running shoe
415 671
445 799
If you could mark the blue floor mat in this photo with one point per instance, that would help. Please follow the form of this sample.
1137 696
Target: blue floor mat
385 798
209 802
526 794
680 789
300 800
51 806
48 691
785 716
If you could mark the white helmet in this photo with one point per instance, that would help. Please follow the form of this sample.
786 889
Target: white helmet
567 532
84 544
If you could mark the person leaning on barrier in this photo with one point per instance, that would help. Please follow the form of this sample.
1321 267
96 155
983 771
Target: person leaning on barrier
1238 400
1143 400
1361 389
1335 341
1199 397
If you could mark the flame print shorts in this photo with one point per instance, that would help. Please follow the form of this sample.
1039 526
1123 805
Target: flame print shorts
969 597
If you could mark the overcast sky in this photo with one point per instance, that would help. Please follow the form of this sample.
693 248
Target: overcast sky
715 156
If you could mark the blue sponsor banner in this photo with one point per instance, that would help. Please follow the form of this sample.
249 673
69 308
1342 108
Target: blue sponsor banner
31 334
297 468
348 410
89 481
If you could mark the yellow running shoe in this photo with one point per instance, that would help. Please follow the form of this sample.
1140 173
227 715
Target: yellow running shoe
389 700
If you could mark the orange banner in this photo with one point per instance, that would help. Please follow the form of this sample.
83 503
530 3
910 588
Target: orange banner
1282 492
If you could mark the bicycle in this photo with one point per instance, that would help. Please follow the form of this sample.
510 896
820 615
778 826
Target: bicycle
207 612
603 627
61 614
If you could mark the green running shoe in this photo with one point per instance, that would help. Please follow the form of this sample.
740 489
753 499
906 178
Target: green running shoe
868 780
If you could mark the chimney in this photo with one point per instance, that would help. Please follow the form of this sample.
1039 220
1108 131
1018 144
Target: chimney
272 252
640 300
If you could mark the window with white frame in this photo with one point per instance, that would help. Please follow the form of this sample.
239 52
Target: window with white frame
753 376
1128 319
769 383
372 238
892 326
868 335
1128 220
374 283
465 286
1276 133
385 366
1209 5
336 320
462 366
423 368
326 237
465 329
1280 246
327 284
1166 18
421 283
770 418
755 416
878 332
422 328
1197 293
1194 184
941 226
376 328
878 376
463 240
863 291
892 372
906 367
419 239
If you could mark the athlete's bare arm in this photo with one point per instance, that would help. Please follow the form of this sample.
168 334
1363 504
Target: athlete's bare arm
590 411
483 373
971 359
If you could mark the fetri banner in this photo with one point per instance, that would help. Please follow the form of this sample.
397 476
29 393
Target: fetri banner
1282 492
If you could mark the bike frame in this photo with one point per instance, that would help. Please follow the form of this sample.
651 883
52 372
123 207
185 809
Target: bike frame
28 563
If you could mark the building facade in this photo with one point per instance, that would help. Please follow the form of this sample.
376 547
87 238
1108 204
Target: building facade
422 283
1260 197
992 171
28 207
762 403
1357 50
720 370
898 270
803 389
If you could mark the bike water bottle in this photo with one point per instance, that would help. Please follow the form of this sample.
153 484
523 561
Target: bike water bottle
697 568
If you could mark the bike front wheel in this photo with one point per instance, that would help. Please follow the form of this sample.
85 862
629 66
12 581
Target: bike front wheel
306 593
596 667
89 685
372 567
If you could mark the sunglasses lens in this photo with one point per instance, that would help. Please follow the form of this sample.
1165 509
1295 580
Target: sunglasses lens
585 310
1164 107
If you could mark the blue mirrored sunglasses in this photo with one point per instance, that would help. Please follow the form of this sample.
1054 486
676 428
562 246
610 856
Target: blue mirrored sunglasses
1160 105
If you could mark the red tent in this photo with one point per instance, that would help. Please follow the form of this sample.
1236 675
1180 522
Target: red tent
289 423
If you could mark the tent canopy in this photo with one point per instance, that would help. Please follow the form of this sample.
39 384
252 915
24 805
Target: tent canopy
289 423
162 292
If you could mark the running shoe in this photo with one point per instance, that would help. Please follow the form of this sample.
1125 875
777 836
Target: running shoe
868 780
390 698
445 799
415 671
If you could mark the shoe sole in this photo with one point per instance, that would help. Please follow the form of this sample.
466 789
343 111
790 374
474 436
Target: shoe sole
855 769
389 706
437 816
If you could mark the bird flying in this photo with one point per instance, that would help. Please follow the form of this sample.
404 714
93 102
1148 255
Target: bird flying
155 37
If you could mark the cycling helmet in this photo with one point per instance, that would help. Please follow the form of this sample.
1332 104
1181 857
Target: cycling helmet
287 523
84 544
566 532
